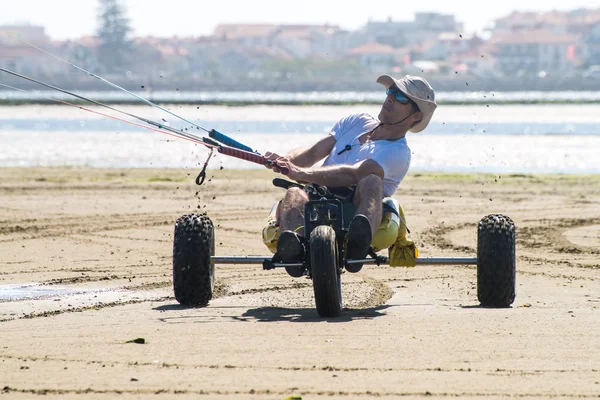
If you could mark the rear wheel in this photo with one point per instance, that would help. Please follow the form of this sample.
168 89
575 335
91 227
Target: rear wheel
193 272
325 272
496 261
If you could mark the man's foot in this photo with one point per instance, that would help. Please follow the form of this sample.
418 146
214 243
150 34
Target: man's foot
359 241
295 272
289 247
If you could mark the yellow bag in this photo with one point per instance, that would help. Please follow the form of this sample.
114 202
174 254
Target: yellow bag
270 233
404 251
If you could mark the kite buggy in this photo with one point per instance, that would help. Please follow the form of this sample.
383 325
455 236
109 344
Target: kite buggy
326 225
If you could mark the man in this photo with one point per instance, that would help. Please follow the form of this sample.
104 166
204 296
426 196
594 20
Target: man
368 154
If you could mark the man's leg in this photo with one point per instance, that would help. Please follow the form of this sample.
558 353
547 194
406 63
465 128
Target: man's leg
291 211
367 199
291 225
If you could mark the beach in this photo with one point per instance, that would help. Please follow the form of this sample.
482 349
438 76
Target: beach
86 272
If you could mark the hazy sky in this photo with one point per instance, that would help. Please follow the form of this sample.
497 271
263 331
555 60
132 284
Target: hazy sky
73 18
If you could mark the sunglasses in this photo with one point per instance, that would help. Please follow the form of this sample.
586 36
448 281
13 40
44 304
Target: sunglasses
400 97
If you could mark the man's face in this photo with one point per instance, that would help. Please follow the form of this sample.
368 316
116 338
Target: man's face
396 107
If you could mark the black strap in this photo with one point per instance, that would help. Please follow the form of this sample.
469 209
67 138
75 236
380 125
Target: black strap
388 208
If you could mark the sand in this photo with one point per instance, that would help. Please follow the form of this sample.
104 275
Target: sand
85 267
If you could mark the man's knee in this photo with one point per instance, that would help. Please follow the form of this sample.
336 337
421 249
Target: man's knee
295 195
370 181
370 184
294 199
368 189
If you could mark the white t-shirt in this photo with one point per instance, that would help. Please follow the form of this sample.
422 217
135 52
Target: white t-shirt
392 156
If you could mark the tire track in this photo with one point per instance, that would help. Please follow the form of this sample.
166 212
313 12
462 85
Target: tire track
27 229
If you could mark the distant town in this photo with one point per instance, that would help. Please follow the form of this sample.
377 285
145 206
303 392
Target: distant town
522 51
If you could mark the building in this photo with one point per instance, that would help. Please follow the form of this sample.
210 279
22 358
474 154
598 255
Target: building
376 57
21 58
300 41
576 21
479 62
436 23
537 52
425 27
591 46
31 33
251 35
392 33
448 45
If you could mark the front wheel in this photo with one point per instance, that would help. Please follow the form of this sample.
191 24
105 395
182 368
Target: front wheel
325 271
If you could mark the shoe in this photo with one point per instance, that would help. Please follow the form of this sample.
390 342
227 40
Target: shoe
294 272
289 247
359 239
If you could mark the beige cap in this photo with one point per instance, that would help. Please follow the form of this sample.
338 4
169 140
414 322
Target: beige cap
418 90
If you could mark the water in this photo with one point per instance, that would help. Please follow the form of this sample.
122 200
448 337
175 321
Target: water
470 138
307 97
32 291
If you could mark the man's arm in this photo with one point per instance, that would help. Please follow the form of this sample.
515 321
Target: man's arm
336 175
309 156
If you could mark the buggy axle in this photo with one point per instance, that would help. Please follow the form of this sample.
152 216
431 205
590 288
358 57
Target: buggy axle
381 260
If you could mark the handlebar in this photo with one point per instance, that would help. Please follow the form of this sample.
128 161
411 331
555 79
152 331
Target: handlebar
310 188
252 157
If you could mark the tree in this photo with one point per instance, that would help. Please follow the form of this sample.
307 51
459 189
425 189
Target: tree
113 33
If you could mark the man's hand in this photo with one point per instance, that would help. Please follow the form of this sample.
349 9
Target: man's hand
279 163
272 158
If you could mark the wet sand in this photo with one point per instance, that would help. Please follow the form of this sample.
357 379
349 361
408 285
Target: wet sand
85 267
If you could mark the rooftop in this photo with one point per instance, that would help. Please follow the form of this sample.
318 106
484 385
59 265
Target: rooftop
542 36
373 48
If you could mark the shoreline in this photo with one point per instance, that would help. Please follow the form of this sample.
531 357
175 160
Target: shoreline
117 175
